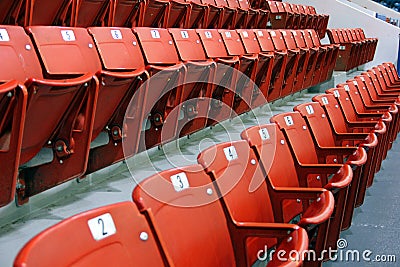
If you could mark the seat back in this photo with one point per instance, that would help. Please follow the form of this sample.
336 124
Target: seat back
264 40
300 40
316 119
235 169
298 135
232 42
44 12
13 98
157 46
188 44
20 60
65 51
9 11
109 40
212 43
92 13
115 234
187 195
127 13
277 40
249 41
332 109
289 39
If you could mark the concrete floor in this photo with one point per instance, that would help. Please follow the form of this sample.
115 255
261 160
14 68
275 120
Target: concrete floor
375 225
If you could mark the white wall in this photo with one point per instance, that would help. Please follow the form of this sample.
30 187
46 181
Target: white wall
375 7
345 16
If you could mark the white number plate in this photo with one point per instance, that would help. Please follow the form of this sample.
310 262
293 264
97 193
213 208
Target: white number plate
180 181
102 226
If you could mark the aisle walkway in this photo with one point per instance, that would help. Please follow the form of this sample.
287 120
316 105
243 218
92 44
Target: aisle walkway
376 224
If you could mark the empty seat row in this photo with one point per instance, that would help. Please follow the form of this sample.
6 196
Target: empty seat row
295 16
242 195
355 48
136 13
75 94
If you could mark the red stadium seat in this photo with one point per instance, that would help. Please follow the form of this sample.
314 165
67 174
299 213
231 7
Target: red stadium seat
328 64
64 92
93 13
306 152
292 61
270 144
279 64
264 70
44 12
127 13
13 98
164 94
188 195
225 77
251 187
122 90
114 234
325 136
247 71
199 87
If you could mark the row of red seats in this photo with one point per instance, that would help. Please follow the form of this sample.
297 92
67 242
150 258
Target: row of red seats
134 13
331 148
355 48
295 16
217 14
69 86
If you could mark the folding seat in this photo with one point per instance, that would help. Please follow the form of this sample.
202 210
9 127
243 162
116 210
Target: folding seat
215 15
323 20
93 13
241 15
225 77
347 51
341 125
310 65
325 136
199 87
306 151
164 94
44 12
13 98
10 12
372 41
279 64
310 18
322 54
331 58
246 72
256 18
66 101
358 47
279 18
294 23
127 13
292 61
116 234
383 84
166 14
371 94
189 197
271 144
303 19
234 168
391 77
265 61
303 58
229 15
291 16
122 90
357 96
